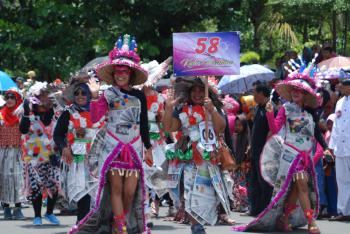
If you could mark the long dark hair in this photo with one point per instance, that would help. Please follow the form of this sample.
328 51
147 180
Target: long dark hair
242 140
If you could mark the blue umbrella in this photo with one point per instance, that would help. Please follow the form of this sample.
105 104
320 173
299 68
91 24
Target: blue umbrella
6 82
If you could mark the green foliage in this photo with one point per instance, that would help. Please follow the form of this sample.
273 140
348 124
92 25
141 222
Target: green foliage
250 57
57 37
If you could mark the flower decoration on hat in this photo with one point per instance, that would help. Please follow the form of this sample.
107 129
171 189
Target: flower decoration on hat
123 54
302 78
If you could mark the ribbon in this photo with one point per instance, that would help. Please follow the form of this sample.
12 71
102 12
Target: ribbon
77 158
154 136
126 150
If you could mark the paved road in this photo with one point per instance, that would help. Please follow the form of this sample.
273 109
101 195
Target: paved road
161 226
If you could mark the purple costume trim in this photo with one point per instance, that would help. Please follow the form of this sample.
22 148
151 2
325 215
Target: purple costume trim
282 192
105 168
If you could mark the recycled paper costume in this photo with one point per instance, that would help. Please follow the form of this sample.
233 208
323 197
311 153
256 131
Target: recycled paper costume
119 145
286 162
193 157
156 176
41 163
76 131
11 176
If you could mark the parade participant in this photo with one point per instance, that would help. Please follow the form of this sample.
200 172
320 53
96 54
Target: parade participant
339 143
261 191
240 175
73 136
330 175
121 190
156 176
202 180
11 178
41 163
287 164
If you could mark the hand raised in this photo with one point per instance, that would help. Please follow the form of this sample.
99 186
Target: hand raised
269 107
171 101
94 88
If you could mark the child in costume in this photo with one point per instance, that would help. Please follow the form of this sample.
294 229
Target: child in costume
11 167
120 199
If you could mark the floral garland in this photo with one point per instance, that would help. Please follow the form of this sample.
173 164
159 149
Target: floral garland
192 115
81 120
154 106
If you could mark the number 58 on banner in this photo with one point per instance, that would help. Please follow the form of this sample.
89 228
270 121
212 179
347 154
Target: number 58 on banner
201 54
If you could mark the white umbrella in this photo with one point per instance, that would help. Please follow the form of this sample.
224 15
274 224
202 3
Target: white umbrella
237 84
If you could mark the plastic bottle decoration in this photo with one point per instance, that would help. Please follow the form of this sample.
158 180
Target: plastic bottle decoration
119 43
126 42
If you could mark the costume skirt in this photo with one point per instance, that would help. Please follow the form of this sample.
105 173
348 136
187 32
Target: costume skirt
11 177
279 165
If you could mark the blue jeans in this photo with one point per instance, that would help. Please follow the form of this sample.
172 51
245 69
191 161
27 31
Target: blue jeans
331 191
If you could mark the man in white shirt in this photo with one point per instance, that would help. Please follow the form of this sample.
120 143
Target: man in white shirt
340 144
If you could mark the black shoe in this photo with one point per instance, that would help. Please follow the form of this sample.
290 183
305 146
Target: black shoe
340 218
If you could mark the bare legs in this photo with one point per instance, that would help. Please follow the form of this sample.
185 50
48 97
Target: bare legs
122 194
299 191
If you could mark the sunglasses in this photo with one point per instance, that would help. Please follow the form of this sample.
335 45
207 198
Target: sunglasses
80 92
10 96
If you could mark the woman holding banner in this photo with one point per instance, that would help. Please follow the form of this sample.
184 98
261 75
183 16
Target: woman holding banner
187 110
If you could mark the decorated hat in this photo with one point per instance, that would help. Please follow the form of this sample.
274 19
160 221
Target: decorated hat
75 81
155 71
301 82
183 86
301 76
123 54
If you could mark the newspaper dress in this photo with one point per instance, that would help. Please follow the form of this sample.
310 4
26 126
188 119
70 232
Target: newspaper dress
156 176
40 175
281 159
11 166
76 179
204 187
119 147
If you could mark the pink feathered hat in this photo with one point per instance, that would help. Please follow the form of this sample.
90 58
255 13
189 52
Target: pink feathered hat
299 81
123 54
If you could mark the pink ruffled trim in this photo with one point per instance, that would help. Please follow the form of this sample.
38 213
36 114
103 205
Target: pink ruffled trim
104 170
282 192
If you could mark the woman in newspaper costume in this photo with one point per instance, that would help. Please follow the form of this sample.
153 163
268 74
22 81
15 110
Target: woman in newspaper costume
73 136
287 164
11 177
194 156
120 199
41 163
155 176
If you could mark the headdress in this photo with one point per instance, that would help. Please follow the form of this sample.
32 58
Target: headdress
301 78
8 113
123 54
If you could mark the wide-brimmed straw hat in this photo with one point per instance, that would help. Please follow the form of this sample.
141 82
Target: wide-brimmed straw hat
302 82
75 80
123 54
184 85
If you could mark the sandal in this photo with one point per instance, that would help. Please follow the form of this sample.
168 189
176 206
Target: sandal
225 219
312 227
283 226
118 226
